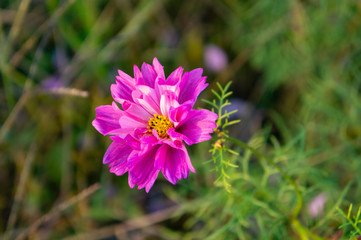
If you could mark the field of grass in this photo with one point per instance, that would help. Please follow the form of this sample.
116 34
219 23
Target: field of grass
290 169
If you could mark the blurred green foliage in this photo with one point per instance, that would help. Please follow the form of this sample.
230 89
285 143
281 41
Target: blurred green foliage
299 61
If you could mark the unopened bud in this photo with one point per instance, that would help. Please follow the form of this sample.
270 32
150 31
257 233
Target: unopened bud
218 144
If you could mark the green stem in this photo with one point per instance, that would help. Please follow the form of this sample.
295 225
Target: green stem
298 207
303 232
354 224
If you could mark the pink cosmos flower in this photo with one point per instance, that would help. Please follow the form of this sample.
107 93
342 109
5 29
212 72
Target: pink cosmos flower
155 120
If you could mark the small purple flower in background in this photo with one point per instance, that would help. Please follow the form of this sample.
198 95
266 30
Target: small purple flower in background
317 204
156 119
215 59
52 83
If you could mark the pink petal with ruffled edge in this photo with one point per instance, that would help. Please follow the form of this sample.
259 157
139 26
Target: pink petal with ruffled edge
174 163
143 172
107 119
167 100
129 125
149 75
197 126
158 68
178 114
125 78
138 76
147 98
175 136
118 152
175 76
122 90
137 113
191 85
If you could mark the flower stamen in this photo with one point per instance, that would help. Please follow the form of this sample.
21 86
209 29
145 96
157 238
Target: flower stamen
161 124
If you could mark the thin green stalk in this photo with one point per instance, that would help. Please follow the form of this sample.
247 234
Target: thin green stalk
298 207
354 224
303 232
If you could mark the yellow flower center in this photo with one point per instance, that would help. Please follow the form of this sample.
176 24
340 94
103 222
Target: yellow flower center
161 124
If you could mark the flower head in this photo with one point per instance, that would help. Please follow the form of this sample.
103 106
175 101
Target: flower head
155 120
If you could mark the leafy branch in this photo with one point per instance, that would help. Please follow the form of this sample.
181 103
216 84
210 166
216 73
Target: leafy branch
222 163
219 147
355 221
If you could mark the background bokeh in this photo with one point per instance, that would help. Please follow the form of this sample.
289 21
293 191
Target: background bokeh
295 71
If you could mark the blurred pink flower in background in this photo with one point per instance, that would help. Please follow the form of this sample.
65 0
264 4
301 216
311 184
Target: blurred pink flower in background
317 204
155 121
215 58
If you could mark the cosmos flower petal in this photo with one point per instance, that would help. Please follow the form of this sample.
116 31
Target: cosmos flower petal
167 100
164 86
129 124
137 112
143 172
150 139
138 76
178 114
121 92
176 136
125 78
116 156
192 80
197 126
149 75
175 76
174 163
147 98
158 68
107 119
